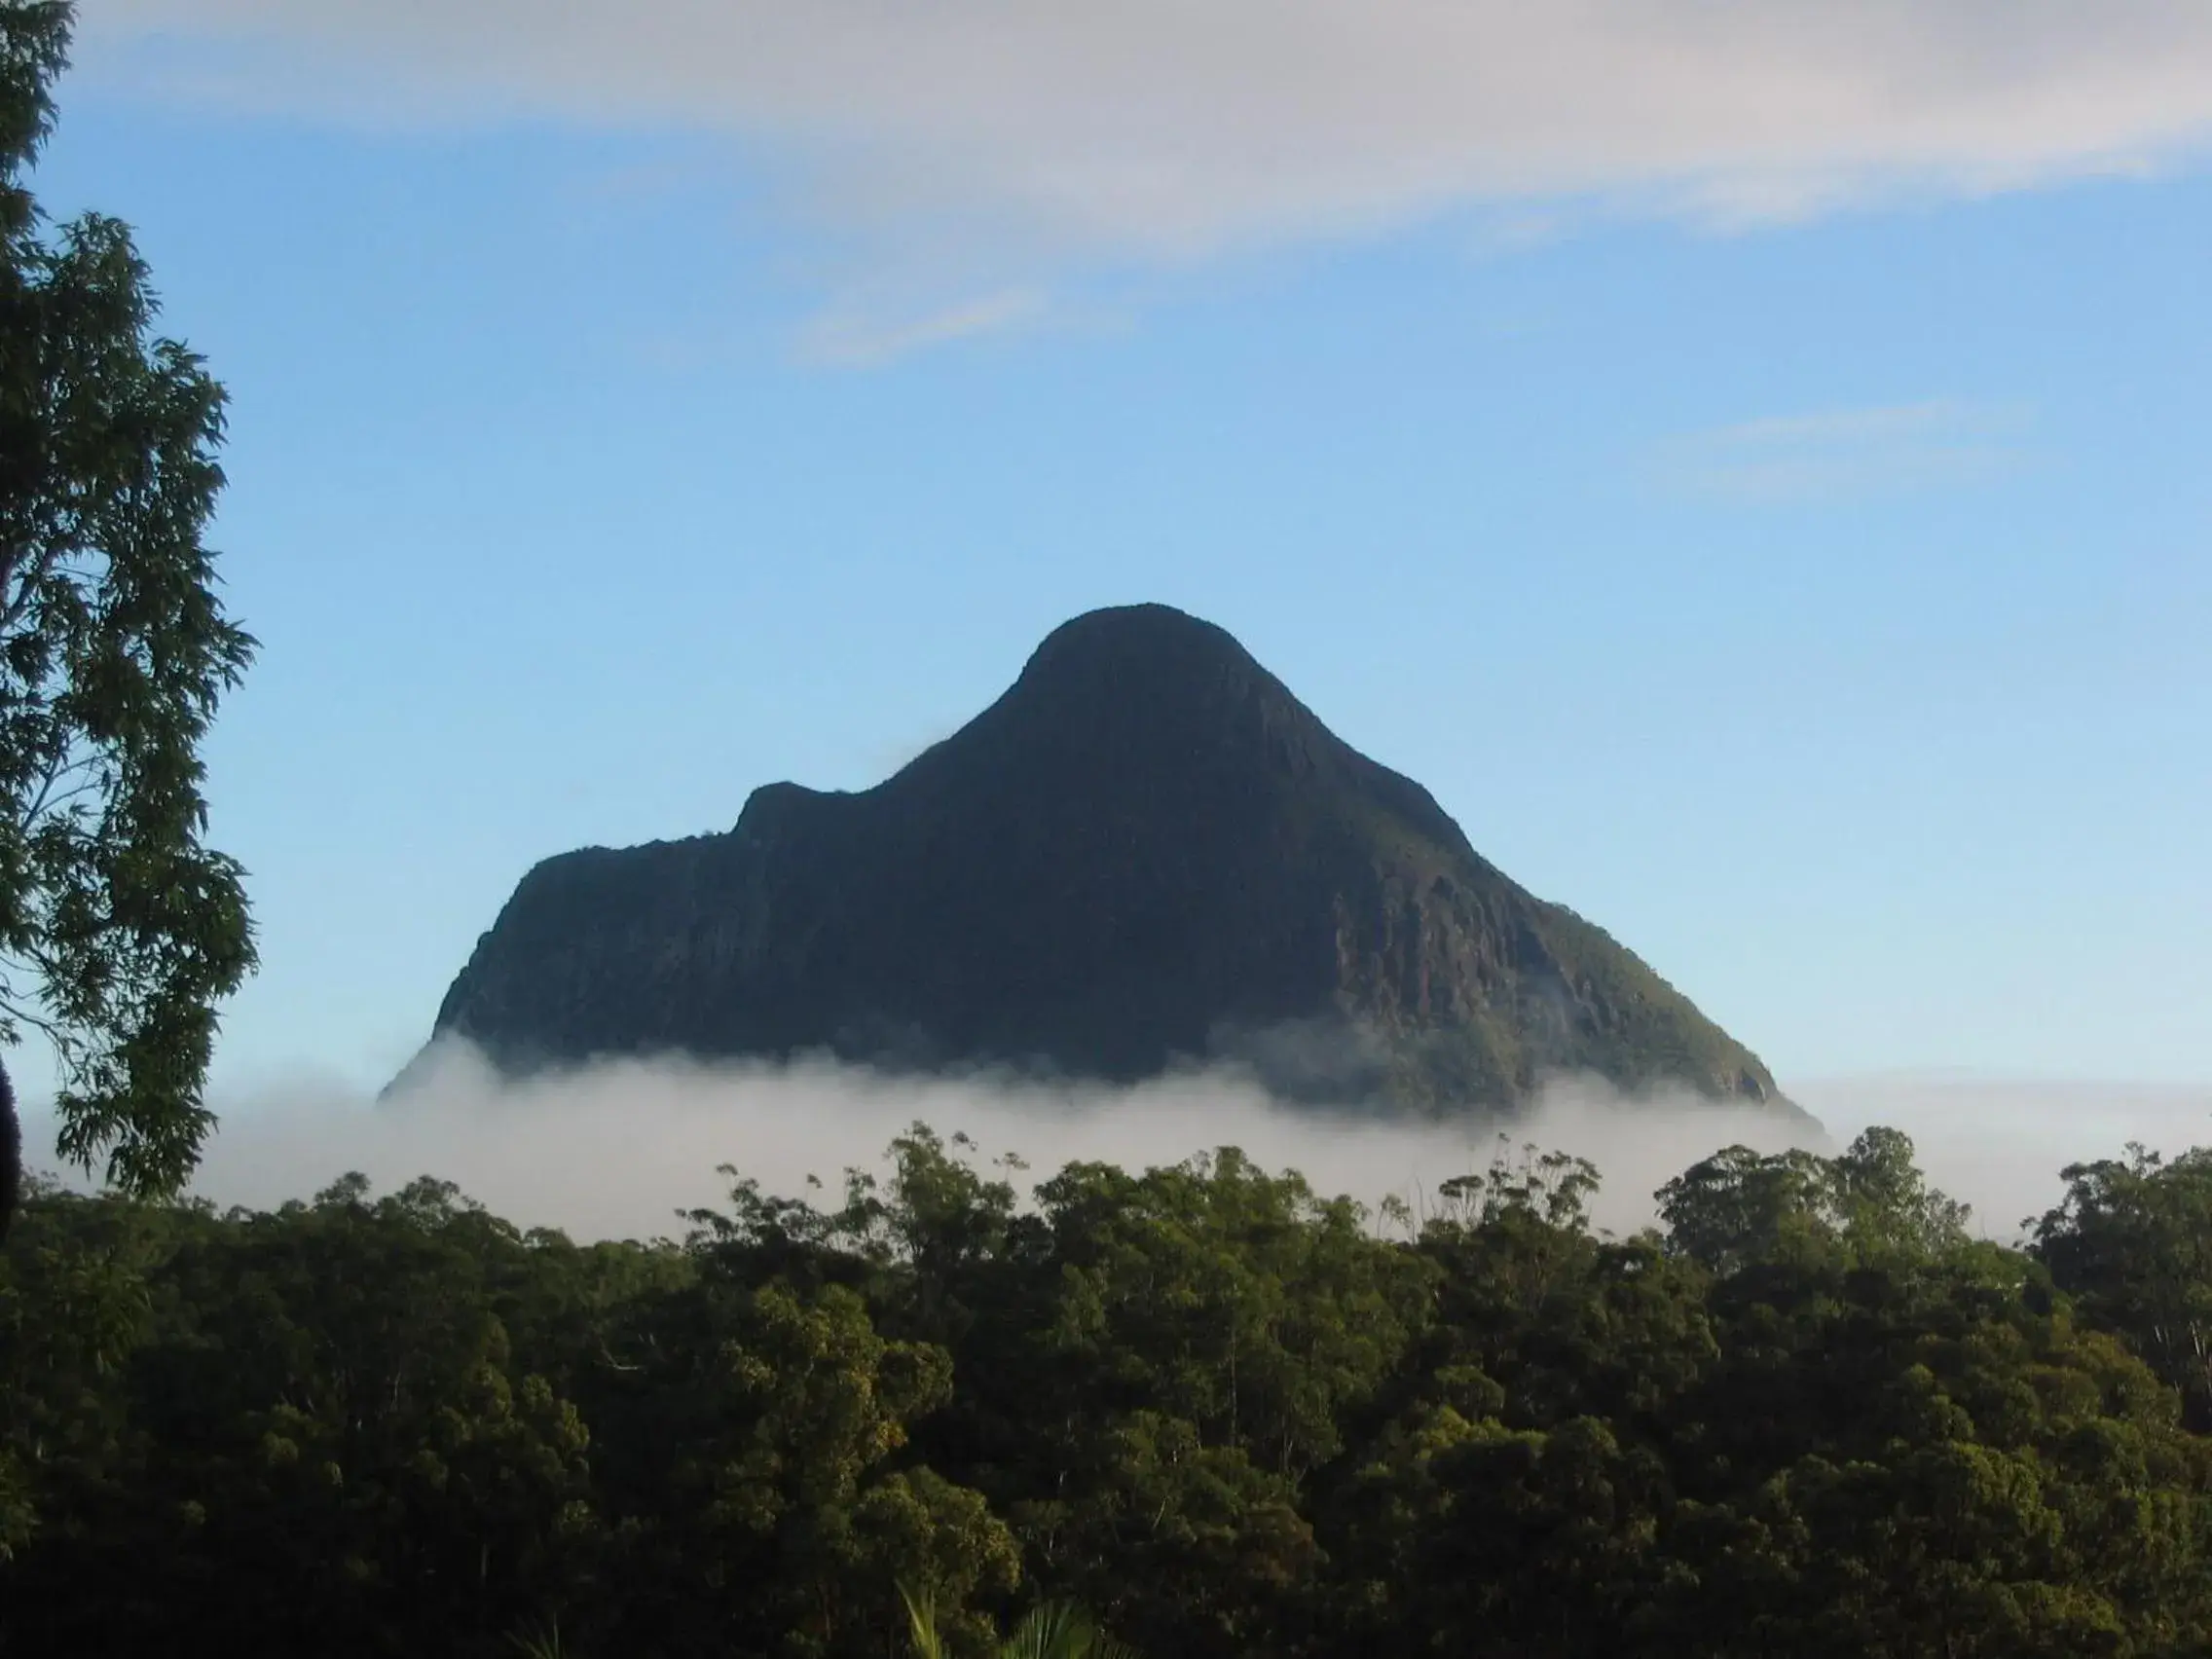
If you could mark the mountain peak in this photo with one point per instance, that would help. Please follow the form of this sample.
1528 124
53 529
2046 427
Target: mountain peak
1136 637
1146 852
1150 666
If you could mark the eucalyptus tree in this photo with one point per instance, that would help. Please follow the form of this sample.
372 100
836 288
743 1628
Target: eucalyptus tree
120 929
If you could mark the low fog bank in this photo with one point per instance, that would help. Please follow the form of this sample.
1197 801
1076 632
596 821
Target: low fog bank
615 1149
1999 1143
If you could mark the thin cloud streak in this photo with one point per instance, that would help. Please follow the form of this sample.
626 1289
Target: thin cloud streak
853 339
1834 452
1938 417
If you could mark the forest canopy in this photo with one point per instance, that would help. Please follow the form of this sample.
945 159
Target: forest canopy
1811 1413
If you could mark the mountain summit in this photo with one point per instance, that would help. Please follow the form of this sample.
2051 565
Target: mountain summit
1146 852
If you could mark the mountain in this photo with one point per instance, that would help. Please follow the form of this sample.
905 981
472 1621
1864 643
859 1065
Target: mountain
1146 851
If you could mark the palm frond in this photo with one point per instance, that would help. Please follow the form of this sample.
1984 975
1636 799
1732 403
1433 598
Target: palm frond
544 1643
921 1623
1059 1630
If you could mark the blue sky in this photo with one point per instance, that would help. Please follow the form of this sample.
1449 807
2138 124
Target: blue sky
1785 537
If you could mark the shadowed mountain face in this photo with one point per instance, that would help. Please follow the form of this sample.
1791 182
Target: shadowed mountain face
1147 851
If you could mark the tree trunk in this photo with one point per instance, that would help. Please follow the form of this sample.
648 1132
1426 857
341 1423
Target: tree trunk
11 1154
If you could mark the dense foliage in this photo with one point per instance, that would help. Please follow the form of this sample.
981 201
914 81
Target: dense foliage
1811 1414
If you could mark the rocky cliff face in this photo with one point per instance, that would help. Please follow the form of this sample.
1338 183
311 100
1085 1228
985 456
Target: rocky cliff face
1147 851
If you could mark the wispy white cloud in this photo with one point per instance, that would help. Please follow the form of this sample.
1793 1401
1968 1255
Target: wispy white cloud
1059 130
1849 452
